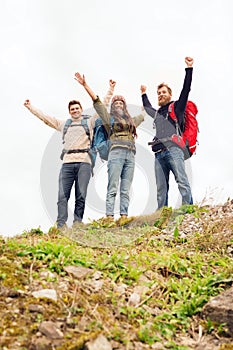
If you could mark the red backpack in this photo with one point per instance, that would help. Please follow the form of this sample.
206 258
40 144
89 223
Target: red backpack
187 139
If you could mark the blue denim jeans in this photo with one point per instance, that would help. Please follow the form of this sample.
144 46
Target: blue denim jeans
171 159
70 173
121 163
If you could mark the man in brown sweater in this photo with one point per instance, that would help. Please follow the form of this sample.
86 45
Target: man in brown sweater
76 167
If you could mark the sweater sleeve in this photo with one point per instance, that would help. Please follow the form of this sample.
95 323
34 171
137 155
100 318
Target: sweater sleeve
147 105
138 119
48 120
108 96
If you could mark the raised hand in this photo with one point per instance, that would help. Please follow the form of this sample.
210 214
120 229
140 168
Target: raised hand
27 103
80 79
189 61
112 83
143 89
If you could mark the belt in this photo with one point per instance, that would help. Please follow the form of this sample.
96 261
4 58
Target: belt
65 151
162 150
123 144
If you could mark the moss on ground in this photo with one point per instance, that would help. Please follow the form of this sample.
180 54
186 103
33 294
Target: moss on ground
173 278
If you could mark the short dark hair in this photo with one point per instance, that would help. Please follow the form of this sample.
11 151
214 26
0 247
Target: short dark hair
74 102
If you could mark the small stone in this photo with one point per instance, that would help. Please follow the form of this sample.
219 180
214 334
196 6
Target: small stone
97 275
63 285
120 289
97 285
78 271
134 299
42 344
35 308
143 279
47 274
45 293
100 343
141 290
51 330
219 309
10 293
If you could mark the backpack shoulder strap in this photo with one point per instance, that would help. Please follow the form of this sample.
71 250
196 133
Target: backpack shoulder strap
111 121
66 126
172 115
171 112
111 126
84 123
99 123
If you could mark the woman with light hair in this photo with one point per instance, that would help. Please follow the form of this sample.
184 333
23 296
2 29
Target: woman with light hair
121 128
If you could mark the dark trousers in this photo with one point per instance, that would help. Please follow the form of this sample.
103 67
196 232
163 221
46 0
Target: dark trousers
78 174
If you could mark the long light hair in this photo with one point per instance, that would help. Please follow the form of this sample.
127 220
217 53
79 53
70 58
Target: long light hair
118 118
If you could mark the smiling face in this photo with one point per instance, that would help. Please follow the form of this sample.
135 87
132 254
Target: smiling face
75 111
164 95
119 107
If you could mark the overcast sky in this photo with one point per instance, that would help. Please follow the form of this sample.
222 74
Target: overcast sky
44 42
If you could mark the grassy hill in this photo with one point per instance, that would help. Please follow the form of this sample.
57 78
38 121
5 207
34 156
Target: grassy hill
142 282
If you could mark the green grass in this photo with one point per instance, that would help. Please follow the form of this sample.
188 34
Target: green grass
181 276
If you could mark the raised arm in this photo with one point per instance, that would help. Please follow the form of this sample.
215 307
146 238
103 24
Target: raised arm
100 108
138 119
146 103
81 80
110 92
48 120
182 101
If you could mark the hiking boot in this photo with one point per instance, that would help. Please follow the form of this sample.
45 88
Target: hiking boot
124 220
107 221
63 229
77 225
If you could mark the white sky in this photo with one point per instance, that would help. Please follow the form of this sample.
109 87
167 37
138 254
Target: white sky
43 43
